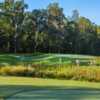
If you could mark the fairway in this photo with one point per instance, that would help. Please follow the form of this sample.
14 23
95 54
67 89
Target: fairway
15 88
57 94
48 59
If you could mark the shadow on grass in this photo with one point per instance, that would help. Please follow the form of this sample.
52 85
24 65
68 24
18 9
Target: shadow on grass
48 93
16 59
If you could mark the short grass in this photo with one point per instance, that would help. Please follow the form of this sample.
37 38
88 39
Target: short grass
20 88
14 59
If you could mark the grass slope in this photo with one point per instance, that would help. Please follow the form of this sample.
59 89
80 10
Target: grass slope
13 59
20 88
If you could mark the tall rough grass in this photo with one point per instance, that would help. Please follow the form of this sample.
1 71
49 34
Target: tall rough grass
84 73
17 71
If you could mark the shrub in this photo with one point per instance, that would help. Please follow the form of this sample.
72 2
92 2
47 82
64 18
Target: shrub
17 71
91 73
74 73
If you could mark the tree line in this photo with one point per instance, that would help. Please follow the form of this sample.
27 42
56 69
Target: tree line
46 30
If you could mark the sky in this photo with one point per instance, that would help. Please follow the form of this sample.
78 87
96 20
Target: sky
87 8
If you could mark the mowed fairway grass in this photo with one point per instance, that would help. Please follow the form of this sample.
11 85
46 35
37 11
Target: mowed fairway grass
20 88
48 59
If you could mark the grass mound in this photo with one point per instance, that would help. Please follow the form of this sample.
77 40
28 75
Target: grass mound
48 59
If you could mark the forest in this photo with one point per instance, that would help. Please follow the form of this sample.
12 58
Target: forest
46 30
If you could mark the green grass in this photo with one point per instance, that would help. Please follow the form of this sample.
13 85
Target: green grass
46 82
13 59
20 88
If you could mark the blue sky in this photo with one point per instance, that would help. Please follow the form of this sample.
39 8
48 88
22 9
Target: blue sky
86 8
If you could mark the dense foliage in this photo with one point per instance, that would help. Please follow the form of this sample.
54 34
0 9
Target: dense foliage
45 30
63 72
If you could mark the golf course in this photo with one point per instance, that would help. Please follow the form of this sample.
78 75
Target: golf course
20 88
45 58
49 50
14 86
